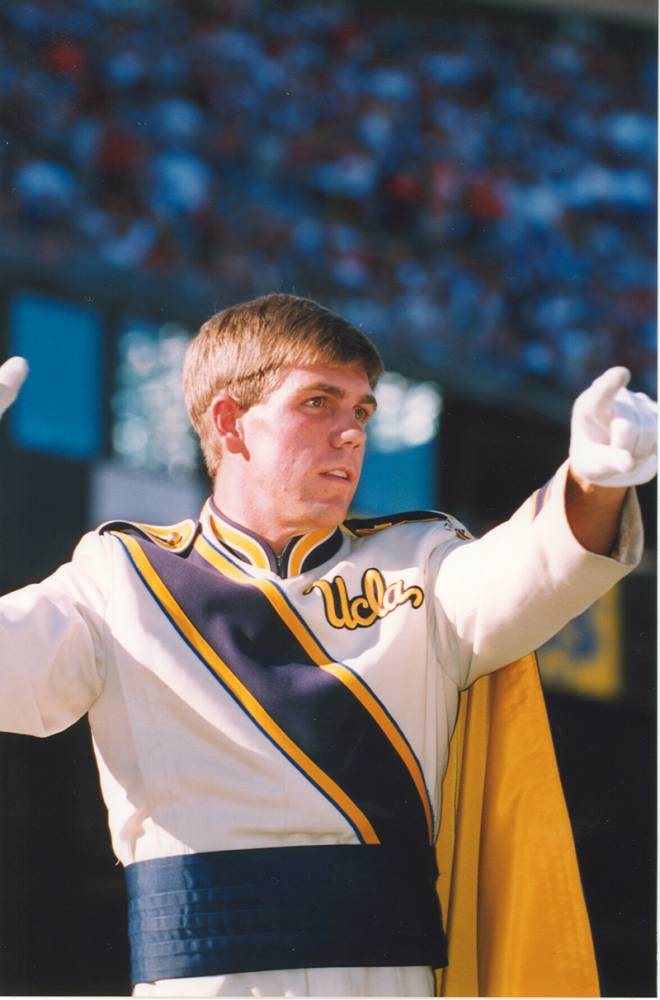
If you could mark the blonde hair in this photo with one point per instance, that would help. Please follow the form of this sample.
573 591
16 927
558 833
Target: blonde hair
245 350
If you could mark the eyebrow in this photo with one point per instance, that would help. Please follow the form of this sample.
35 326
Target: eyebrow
334 390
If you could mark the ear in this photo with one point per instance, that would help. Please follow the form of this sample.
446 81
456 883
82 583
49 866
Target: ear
226 414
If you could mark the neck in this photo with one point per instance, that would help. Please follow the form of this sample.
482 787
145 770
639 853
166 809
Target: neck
275 534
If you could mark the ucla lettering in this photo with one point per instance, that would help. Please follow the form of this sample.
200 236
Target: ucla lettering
376 600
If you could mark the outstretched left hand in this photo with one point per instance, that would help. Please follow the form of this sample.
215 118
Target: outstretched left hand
613 433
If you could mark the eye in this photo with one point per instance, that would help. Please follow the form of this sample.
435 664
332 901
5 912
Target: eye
362 414
315 402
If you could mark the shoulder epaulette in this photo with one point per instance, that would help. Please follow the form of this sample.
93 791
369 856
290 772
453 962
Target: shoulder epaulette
173 537
360 526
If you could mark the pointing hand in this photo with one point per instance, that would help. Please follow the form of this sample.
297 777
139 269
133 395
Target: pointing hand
613 433
12 376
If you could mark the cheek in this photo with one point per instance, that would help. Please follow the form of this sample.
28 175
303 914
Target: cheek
284 457
285 461
296 445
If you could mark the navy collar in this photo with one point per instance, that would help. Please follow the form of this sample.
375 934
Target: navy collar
300 554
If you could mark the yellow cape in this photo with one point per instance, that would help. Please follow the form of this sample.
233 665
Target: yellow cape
509 881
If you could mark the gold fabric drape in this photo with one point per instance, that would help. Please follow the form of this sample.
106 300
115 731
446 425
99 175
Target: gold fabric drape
509 882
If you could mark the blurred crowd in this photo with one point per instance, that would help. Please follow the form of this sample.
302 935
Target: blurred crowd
474 190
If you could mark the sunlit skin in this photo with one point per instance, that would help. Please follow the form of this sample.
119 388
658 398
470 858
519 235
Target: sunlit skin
291 463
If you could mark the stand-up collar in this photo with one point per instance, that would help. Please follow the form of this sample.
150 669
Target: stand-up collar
300 554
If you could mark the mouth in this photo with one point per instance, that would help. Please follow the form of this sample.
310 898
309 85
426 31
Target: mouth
340 474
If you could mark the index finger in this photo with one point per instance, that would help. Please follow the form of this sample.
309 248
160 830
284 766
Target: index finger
604 388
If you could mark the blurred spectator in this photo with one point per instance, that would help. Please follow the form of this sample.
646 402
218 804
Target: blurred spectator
478 191
45 191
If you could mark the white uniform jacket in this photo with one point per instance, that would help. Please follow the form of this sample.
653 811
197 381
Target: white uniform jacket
392 617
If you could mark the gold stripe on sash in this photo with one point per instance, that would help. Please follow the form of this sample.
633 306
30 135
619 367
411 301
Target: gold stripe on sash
244 696
338 670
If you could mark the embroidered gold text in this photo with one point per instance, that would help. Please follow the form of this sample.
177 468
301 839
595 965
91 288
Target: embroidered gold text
376 600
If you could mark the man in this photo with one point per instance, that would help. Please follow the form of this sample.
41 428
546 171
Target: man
271 688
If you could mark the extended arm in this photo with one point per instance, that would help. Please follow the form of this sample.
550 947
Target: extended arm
513 589
51 634
52 645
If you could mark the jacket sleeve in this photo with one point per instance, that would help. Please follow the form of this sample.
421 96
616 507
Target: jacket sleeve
52 644
503 595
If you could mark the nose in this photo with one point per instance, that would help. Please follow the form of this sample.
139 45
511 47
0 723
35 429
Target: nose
349 435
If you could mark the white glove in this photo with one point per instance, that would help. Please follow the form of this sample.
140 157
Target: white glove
613 433
12 376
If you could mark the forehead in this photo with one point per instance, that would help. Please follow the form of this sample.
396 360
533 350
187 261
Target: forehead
349 379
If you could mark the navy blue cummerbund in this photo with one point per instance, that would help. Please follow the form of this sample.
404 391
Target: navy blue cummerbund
283 908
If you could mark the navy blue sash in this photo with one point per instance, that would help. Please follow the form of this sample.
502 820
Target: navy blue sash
316 711
283 908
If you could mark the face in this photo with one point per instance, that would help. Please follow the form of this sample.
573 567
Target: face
302 453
